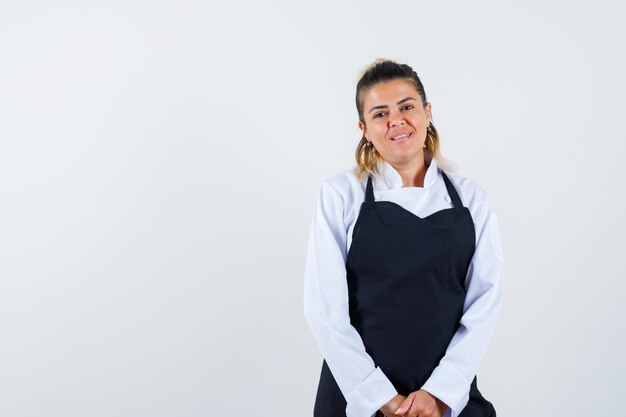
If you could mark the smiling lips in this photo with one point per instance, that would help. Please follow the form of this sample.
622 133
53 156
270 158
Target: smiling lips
400 136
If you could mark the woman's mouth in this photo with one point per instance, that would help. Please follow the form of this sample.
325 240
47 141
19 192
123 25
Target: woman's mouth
401 137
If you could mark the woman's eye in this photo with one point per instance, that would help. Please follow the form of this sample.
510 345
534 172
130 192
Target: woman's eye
377 115
408 106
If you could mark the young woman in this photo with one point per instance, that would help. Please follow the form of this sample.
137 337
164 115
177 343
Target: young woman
403 278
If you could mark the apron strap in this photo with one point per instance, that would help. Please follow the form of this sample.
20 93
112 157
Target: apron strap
456 200
369 192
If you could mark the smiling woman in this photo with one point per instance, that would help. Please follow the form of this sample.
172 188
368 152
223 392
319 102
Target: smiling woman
391 102
403 280
397 128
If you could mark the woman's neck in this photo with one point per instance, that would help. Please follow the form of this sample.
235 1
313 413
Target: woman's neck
412 173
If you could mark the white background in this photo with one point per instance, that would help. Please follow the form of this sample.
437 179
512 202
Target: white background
159 162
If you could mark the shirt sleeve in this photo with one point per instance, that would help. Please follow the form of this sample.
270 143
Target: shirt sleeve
450 381
363 384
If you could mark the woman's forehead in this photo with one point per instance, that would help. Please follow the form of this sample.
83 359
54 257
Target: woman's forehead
390 92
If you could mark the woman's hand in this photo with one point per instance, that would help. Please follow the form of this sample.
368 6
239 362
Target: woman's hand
421 404
389 408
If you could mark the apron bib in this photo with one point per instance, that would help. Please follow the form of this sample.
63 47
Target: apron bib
405 278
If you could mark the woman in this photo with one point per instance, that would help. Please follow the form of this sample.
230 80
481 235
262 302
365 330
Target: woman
404 265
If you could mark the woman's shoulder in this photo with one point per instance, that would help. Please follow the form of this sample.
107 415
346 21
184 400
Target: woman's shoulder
471 192
345 184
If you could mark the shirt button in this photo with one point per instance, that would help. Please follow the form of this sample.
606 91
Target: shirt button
447 198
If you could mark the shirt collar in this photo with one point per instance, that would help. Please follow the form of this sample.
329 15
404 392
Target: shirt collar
391 179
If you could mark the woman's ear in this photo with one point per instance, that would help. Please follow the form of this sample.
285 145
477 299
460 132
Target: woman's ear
362 129
428 108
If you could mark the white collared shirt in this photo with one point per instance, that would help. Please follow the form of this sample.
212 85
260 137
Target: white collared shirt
363 384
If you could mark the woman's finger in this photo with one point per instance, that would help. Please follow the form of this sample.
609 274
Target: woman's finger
406 404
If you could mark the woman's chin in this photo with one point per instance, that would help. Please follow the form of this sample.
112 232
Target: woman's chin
404 159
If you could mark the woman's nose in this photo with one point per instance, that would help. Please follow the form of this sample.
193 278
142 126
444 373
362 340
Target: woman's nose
395 118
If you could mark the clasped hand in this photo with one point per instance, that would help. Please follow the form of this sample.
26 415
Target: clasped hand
417 404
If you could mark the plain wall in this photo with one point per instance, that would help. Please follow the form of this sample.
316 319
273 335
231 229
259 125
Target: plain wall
159 162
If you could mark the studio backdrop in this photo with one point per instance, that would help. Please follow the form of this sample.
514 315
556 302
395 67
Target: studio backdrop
159 163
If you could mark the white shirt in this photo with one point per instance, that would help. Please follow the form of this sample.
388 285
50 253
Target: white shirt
363 384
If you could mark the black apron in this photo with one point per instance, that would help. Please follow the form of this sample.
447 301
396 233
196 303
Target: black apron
406 292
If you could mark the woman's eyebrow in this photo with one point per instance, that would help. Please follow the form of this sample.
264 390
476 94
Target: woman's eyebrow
384 106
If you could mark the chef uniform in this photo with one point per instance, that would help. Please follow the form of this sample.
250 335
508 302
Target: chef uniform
406 301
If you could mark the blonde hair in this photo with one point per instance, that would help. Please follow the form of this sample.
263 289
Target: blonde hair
367 157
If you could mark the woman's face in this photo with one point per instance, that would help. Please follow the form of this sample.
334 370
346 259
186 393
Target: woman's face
392 110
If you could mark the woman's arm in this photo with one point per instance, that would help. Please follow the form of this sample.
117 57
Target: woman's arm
364 386
451 379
